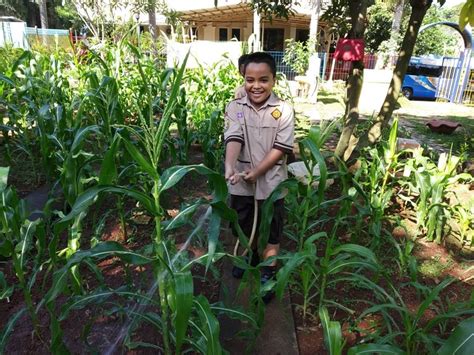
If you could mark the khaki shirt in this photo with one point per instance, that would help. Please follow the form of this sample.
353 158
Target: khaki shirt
271 126
240 92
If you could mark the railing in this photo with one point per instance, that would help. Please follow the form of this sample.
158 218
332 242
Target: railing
48 37
341 69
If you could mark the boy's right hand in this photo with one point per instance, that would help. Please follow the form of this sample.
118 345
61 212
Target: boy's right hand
232 176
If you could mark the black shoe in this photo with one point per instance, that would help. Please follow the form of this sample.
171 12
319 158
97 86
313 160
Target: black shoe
238 272
267 274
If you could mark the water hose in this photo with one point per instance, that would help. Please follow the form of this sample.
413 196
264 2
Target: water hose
254 225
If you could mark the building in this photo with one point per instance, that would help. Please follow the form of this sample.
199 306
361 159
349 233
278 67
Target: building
235 20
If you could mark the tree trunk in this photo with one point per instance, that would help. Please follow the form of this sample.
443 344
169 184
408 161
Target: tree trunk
397 16
152 21
313 25
345 146
43 14
418 12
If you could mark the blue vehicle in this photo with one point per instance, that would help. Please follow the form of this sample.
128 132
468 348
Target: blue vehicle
421 78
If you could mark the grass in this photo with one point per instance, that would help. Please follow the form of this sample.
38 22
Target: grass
434 267
460 141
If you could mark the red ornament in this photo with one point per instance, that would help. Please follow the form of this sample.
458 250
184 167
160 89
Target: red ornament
349 50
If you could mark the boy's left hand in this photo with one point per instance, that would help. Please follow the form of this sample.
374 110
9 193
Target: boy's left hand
250 176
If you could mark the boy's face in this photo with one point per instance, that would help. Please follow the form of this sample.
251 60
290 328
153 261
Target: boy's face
259 82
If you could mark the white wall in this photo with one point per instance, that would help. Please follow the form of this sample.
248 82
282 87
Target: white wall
13 33
202 52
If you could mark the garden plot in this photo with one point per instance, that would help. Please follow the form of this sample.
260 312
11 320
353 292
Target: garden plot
128 256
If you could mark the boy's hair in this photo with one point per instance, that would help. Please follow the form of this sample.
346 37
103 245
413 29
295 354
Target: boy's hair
243 59
261 57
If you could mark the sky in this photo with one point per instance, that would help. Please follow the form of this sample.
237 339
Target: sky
451 3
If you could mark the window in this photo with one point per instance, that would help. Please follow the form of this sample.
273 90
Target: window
301 35
273 39
236 33
222 34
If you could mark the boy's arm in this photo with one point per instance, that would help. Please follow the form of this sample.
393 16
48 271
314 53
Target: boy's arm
272 157
233 140
232 151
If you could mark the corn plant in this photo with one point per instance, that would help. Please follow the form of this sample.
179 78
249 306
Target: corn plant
376 177
428 188
24 243
464 217
144 143
209 90
313 274
412 335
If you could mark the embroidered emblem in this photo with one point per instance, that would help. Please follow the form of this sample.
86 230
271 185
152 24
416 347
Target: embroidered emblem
240 115
276 113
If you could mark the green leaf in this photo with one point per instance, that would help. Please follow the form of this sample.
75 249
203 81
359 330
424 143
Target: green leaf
319 159
140 159
431 297
5 291
285 272
356 249
173 175
108 169
183 217
209 325
9 328
88 198
3 177
214 231
81 135
461 340
101 251
332 333
183 288
26 234
375 349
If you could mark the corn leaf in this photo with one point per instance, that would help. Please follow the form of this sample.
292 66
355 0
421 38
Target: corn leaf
141 160
332 333
461 341
381 349
3 177
183 289
209 325
9 328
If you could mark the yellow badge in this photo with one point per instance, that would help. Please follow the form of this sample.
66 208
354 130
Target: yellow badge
276 113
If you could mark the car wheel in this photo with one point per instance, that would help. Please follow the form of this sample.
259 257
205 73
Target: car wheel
408 93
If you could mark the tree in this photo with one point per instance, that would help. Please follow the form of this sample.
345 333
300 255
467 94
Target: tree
466 15
418 12
378 26
438 40
43 9
345 145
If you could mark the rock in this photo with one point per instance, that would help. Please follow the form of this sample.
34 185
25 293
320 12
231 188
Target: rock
399 232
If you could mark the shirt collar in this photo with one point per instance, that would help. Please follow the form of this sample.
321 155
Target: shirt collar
272 100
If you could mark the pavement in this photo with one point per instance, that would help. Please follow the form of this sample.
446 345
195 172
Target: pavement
277 335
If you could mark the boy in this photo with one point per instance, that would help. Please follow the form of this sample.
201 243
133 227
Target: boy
240 91
259 132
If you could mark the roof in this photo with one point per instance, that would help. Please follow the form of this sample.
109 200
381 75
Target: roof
236 13
9 19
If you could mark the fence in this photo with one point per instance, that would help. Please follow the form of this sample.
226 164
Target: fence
48 37
341 69
468 97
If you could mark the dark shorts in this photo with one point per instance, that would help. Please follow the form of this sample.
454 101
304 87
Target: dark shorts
244 205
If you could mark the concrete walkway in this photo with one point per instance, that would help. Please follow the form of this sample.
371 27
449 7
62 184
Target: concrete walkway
277 335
